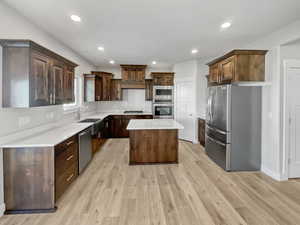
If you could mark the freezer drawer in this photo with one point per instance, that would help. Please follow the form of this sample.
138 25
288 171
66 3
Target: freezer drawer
218 152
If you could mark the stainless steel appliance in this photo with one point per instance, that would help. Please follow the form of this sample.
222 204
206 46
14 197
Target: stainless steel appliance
85 149
163 94
96 127
233 131
163 111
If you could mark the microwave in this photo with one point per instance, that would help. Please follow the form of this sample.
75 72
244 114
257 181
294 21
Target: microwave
164 111
163 94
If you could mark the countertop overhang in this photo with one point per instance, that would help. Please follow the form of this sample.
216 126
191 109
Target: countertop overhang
154 124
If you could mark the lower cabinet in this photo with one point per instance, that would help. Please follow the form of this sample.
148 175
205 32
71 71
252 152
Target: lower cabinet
66 165
118 124
35 177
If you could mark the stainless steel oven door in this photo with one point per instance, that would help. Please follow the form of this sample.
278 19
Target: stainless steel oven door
163 111
163 94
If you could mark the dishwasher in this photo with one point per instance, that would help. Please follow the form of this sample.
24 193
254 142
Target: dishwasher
85 149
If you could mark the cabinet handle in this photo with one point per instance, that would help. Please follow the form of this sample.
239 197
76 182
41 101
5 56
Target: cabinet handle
70 142
70 157
70 177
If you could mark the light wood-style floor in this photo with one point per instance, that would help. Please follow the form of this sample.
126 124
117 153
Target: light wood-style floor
195 192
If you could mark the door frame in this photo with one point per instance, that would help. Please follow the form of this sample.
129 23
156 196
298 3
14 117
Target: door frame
290 63
179 80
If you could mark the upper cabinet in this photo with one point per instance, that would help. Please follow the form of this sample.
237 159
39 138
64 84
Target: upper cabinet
238 66
35 76
149 90
162 78
133 76
115 90
103 85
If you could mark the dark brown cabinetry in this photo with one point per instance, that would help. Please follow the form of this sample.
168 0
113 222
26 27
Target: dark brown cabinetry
103 85
149 90
163 78
66 165
118 123
238 66
133 76
35 76
201 131
34 178
115 90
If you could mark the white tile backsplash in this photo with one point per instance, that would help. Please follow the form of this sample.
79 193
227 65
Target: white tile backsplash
133 99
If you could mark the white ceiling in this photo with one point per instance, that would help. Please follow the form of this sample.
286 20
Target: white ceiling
140 31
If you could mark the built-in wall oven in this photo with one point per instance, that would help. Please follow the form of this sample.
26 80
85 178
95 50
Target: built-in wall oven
163 95
163 111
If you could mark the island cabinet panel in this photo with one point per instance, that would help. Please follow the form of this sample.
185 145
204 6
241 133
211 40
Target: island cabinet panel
153 146
238 66
35 76
29 179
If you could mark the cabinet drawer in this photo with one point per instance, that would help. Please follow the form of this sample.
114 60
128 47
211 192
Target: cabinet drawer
66 144
65 159
65 179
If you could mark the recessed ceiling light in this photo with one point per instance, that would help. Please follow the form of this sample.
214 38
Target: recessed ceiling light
194 51
154 62
112 62
75 18
226 25
100 48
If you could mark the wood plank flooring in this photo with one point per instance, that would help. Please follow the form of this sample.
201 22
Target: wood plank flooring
195 192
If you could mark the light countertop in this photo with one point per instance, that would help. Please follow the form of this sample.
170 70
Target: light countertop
48 138
154 124
102 115
58 134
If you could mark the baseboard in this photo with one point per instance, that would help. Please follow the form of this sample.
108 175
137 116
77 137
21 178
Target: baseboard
270 173
2 209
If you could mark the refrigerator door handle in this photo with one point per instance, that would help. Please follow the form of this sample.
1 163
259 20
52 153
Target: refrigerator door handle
217 142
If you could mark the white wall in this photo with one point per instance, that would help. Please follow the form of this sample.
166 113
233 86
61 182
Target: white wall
133 99
14 26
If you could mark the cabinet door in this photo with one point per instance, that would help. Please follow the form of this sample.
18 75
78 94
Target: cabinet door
98 88
140 75
227 69
213 73
106 87
57 83
69 79
115 90
39 80
149 90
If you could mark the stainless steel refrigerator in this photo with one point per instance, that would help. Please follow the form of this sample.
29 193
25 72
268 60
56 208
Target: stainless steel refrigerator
233 127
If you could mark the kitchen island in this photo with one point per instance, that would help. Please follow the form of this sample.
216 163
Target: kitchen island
153 141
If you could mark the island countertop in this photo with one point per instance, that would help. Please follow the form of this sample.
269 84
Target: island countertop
154 124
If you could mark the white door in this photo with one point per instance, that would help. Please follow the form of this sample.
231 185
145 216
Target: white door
293 120
185 108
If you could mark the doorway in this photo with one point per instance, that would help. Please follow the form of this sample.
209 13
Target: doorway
292 117
185 109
